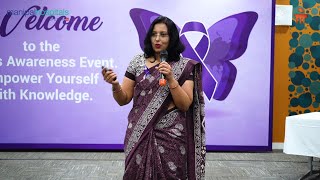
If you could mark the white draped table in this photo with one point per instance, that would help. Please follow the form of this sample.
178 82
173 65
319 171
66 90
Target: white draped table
302 137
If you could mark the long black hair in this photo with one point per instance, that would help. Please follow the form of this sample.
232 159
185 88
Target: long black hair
175 47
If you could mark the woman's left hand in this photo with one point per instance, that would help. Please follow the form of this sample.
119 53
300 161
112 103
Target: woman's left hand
165 69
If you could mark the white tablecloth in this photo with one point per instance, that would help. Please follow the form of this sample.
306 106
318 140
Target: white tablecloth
302 135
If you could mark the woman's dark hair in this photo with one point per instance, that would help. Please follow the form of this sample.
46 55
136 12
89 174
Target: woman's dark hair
175 47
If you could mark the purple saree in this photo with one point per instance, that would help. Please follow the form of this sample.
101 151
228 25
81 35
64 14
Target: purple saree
162 143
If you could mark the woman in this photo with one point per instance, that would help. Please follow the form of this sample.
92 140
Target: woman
165 134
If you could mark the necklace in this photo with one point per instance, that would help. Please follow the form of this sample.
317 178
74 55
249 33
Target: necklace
154 60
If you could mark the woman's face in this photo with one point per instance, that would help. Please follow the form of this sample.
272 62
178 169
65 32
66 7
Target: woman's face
160 37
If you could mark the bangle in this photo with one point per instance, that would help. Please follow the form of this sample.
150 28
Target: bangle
174 86
116 91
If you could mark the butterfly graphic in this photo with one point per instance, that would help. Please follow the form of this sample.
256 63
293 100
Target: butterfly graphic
224 41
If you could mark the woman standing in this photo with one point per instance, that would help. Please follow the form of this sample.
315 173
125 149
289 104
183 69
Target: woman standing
165 137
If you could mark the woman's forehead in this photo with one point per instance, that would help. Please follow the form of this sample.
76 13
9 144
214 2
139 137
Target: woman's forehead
160 27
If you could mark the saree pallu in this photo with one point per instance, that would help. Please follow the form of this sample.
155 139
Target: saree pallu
162 143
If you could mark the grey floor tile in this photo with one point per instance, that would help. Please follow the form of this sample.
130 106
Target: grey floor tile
110 165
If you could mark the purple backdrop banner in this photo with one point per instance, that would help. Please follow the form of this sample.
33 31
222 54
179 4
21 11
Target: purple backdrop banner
52 94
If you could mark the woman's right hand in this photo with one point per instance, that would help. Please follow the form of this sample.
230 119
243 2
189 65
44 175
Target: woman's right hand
109 76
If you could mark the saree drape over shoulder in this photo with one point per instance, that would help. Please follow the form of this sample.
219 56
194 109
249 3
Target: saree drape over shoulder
162 143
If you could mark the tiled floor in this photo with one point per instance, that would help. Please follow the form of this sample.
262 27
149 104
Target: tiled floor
110 165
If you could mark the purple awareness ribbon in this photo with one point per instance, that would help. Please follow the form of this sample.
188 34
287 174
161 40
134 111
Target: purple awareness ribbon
199 54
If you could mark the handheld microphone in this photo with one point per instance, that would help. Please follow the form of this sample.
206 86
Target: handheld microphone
163 57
